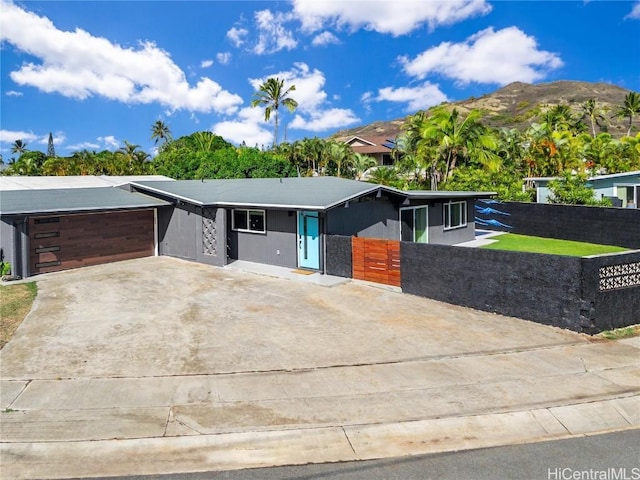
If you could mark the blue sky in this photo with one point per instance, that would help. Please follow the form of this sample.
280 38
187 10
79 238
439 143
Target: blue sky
97 73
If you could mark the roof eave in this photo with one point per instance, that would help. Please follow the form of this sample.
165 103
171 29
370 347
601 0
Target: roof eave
81 210
168 194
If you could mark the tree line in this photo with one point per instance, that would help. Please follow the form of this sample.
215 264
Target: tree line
441 148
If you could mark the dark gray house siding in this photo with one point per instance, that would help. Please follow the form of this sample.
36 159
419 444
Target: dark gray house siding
177 231
440 236
14 242
368 217
278 246
373 217
193 233
7 239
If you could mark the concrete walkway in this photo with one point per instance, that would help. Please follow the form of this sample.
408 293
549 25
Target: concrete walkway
158 366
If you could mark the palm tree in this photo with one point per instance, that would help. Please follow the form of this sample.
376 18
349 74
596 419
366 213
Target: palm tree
383 175
160 131
630 108
134 157
593 113
456 140
19 147
362 163
271 95
559 117
339 153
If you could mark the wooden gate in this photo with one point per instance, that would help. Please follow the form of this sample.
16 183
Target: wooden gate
376 260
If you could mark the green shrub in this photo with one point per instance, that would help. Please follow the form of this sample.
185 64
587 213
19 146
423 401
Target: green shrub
5 269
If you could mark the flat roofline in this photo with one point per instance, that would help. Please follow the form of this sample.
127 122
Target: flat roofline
80 210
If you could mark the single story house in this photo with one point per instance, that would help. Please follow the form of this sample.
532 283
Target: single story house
622 188
277 221
378 148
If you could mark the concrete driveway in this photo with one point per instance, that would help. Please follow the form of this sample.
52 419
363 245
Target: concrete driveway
159 365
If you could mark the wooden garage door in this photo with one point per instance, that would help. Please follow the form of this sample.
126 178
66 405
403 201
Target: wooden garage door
70 241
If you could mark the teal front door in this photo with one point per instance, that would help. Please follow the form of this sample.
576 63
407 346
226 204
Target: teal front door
309 240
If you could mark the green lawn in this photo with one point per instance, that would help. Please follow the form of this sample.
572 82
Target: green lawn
524 243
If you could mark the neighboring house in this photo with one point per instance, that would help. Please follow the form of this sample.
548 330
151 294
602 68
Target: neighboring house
274 221
379 148
625 187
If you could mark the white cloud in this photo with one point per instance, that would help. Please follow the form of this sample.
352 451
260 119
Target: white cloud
237 36
272 35
10 136
324 38
397 18
323 120
78 65
13 93
206 63
417 98
83 146
312 115
223 57
309 83
635 12
489 56
249 127
109 141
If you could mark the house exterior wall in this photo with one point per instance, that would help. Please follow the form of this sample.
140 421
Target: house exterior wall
370 217
380 218
438 235
278 246
211 236
7 241
177 231
193 233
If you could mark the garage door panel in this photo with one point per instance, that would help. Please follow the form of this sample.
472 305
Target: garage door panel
60 243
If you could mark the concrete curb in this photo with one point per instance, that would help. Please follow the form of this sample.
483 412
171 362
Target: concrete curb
150 456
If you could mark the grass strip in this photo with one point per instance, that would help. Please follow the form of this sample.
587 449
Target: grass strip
553 246
15 304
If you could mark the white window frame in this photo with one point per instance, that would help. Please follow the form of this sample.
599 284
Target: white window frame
446 215
247 212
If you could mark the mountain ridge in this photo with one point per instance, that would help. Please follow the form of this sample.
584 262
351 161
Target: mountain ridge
519 104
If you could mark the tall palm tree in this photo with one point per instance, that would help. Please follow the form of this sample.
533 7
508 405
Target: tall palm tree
134 157
19 147
160 131
271 95
339 153
593 113
630 108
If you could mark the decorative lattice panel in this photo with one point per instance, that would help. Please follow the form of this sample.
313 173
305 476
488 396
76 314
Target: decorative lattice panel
209 234
613 277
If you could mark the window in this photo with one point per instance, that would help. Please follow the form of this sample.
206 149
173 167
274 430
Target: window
455 215
248 221
413 224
